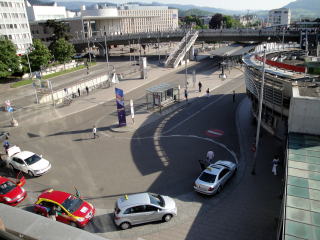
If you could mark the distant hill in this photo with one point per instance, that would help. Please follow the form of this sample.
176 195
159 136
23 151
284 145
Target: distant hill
304 8
299 8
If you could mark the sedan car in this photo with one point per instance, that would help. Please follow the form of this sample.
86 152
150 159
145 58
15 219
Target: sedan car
142 208
214 177
12 193
27 162
70 209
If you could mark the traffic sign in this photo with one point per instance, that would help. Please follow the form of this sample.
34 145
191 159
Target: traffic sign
214 133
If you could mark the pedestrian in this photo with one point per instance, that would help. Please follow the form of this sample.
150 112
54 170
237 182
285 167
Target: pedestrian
186 94
87 90
233 96
66 91
52 214
94 131
204 164
79 92
208 92
210 156
6 146
275 163
200 86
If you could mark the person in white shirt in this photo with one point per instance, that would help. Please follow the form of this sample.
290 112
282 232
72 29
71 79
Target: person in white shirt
210 156
94 131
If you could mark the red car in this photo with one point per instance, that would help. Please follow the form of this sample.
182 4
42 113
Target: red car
12 193
70 209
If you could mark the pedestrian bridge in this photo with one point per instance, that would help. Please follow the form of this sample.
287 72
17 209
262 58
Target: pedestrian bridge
208 35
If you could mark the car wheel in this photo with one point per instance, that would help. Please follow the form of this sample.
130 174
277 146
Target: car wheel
30 173
125 225
220 189
73 224
167 217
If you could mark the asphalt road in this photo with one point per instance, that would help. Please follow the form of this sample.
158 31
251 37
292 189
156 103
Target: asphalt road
161 157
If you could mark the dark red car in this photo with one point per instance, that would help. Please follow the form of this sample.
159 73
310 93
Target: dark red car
12 193
70 209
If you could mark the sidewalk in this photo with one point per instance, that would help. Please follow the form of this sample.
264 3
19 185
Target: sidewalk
44 113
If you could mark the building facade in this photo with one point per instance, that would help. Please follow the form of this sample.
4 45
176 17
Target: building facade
112 20
44 12
281 16
14 24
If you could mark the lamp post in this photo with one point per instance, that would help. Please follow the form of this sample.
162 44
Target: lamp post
30 76
253 171
185 58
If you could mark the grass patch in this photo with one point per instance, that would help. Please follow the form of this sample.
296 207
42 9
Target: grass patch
21 83
29 81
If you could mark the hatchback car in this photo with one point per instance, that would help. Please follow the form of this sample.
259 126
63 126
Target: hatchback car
142 208
70 209
214 177
12 193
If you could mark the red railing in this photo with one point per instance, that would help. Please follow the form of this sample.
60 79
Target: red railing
289 67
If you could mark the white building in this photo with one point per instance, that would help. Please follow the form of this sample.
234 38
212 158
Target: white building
43 11
14 24
281 16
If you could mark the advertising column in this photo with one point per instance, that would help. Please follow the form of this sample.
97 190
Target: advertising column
120 107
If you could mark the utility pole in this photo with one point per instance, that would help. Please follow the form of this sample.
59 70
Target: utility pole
106 50
253 171
185 58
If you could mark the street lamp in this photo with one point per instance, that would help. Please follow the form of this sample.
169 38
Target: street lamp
185 57
30 76
253 171
105 48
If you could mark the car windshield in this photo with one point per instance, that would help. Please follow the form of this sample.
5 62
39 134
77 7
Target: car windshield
6 187
156 199
33 159
72 203
206 177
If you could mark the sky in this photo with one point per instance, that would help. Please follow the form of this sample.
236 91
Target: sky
225 4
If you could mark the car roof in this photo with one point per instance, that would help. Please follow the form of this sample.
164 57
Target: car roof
213 169
57 196
24 154
133 200
3 180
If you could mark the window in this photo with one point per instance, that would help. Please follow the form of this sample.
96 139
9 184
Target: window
137 209
150 208
17 160
223 173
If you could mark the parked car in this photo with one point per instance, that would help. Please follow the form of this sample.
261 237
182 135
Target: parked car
78 56
70 209
12 193
142 208
4 136
27 162
214 177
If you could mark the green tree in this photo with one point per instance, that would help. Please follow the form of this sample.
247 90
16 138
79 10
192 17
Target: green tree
62 50
60 30
9 61
40 55
216 21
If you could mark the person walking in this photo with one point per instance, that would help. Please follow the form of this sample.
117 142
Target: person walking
6 146
79 92
233 96
275 164
87 90
186 94
200 86
94 132
208 92
210 156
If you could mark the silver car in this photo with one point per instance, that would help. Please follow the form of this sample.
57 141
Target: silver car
142 208
214 177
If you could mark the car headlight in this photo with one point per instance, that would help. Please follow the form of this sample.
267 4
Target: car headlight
80 219
7 199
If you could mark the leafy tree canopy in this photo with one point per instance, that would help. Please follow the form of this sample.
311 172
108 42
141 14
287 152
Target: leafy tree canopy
9 61
62 50
40 56
216 21
60 30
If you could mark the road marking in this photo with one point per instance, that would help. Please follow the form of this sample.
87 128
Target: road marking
214 133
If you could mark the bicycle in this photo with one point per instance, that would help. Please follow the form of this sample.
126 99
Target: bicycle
67 101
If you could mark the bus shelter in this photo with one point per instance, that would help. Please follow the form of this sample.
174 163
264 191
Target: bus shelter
163 94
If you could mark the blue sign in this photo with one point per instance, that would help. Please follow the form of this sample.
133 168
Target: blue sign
120 107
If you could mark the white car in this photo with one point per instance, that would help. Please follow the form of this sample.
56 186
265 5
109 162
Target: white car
27 162
214 177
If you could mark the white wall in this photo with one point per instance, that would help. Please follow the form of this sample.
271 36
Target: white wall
46 12
304 114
